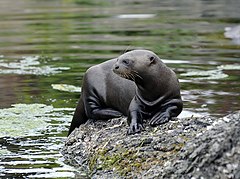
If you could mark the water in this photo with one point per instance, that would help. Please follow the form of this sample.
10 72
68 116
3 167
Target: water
49 43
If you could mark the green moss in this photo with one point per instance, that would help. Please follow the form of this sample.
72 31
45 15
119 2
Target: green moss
178 147
122 161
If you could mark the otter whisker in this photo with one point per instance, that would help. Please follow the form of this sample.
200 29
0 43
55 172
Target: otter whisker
127 48
130 76
127 76
136 74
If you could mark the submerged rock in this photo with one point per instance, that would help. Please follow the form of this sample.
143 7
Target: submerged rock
182 148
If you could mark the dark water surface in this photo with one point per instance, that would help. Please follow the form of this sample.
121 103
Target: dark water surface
68 36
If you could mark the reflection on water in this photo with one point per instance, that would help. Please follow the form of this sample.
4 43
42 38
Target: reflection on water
76 34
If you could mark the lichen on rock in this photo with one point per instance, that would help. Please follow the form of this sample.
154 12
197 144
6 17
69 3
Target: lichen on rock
181 148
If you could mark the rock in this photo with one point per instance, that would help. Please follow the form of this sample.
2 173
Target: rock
214 154
185 148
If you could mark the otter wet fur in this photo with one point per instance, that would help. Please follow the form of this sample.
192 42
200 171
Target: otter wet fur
137 84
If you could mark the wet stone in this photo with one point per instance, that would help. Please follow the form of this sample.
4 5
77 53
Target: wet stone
209 148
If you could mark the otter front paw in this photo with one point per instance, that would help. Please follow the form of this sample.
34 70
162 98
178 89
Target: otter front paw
135 128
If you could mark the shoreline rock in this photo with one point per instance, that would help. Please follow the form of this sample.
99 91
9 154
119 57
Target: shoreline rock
182 148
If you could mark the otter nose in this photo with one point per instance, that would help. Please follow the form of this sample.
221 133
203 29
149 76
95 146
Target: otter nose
116 67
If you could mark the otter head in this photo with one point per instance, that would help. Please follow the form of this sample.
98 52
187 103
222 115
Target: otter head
136 64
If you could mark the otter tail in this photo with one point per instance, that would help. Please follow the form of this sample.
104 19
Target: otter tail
79 116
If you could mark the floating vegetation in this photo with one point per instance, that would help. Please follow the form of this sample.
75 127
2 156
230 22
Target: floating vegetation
65 87
232 32
91 2
55 174
4 152
29 65
229 67
206 75
135 16
29 119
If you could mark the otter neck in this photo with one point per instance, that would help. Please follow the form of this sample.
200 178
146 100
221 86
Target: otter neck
149 85
147 89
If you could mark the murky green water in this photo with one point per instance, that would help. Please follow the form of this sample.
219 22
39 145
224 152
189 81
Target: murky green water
46 45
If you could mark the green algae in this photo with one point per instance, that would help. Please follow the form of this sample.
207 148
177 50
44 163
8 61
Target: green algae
29 65
65 87
28 119
4 152
206 74
229 67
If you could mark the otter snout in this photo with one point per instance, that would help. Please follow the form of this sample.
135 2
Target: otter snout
116 68
122 70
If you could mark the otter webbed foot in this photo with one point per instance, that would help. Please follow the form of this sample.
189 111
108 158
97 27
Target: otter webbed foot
159 118
162 117
135 128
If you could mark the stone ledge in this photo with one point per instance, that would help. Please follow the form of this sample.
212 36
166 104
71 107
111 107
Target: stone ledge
182 148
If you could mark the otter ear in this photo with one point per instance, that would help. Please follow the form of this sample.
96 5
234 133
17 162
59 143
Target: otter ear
152 60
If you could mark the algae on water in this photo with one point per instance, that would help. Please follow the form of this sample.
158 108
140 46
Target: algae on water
211 74
206 75
229 67
28 119
65 87
29 65
4 152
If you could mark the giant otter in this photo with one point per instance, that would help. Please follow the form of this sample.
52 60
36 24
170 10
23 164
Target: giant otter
137 84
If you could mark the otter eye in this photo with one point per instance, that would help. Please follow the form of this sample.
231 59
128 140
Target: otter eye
151 58
126 62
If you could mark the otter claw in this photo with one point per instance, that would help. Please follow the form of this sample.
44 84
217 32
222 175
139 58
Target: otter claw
135 128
